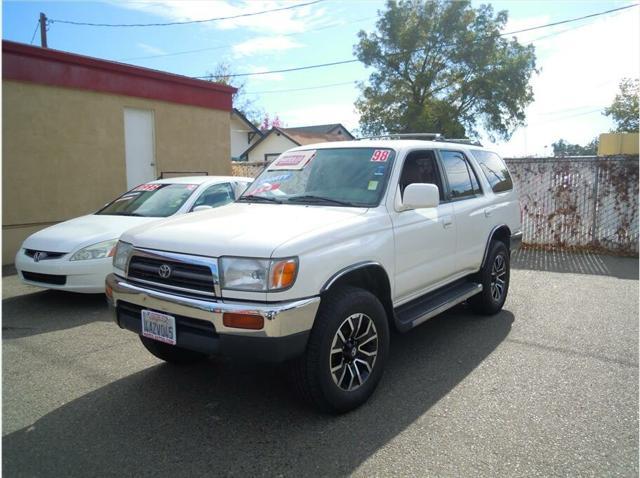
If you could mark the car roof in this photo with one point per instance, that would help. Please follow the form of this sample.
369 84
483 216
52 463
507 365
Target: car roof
201 180
397 144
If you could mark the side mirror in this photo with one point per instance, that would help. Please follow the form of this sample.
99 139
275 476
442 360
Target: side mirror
201 208
420 195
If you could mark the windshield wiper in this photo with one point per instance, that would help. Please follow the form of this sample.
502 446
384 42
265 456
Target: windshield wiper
252 197
128 214
310 198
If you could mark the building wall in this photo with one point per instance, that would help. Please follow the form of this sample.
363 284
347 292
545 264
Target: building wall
276 143
64 155
618 143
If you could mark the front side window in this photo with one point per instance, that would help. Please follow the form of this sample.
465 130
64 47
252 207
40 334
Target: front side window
338 176
462 180
495 170
215 195
421 167
150 200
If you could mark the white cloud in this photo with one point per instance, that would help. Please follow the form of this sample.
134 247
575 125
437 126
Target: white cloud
152 50
264 44
284 21
580 71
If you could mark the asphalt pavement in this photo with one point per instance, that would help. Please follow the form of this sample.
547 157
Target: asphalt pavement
548 387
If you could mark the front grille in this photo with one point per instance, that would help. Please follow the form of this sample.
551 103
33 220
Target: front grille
185 276
44 278
43 255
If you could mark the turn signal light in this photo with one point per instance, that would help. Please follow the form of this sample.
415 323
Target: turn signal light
242 321
108 291
283 274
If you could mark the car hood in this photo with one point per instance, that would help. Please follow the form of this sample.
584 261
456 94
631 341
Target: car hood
238 229
82 231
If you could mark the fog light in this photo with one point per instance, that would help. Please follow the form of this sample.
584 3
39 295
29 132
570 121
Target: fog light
242 321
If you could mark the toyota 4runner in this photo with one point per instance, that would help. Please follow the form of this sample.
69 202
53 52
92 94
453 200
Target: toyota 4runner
332 246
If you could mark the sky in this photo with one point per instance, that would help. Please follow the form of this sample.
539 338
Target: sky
580 64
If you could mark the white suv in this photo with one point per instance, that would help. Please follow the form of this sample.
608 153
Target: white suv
330 247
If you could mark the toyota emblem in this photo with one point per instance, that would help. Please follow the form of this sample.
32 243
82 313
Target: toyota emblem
164 271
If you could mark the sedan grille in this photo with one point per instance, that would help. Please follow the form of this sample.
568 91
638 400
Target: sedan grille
172 274
42 255
44 278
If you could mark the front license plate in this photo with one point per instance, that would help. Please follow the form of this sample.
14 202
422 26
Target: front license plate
157 326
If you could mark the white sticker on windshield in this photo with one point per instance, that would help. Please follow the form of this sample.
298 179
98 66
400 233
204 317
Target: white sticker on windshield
293 160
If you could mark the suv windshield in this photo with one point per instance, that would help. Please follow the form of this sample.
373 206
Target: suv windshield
150 200
339 176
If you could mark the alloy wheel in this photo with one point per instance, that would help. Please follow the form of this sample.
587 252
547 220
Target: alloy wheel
353 352
498 275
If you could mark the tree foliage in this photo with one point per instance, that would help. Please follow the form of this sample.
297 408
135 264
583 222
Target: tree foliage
442 66
624 109
222 74
562 148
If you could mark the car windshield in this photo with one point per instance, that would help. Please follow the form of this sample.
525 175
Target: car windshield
338 176
150 200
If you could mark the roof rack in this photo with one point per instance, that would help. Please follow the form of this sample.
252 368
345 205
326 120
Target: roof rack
424 136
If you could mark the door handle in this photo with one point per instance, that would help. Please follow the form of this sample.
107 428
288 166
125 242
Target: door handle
447 221
488 212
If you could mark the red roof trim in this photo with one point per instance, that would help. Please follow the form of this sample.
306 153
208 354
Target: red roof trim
57 68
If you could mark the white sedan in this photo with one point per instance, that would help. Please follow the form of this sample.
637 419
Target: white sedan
76 255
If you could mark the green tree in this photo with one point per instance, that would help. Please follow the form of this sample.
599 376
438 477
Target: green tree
222 74
624 109
442 66
562 148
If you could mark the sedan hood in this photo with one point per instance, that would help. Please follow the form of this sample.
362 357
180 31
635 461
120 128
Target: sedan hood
238 229
82 231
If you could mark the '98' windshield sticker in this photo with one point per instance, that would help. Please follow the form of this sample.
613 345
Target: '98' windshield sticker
380 156
293 160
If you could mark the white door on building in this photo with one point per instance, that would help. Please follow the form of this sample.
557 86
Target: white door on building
139 141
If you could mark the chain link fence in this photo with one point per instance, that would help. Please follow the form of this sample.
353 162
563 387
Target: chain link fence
582 203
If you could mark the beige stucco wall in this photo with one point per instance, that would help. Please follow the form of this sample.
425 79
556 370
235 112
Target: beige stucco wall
63 152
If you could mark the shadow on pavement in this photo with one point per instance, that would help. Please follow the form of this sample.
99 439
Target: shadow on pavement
50 310
576 263
232 418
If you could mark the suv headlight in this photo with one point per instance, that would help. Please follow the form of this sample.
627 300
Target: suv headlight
95 251
121 256
257 275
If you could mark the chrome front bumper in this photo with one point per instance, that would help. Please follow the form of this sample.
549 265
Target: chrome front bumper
280 319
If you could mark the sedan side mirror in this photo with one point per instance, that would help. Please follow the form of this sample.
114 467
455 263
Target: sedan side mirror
201 208
420 195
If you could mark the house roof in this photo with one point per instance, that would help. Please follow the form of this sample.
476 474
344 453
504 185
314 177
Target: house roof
303 138
244 119
320 129
297 138
51 67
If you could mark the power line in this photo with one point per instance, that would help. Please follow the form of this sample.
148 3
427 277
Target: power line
187 22
220 47
343 62
569 20
34 32
318 87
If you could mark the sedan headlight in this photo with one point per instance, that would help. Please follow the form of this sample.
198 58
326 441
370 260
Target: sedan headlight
95 251
257 275
121 256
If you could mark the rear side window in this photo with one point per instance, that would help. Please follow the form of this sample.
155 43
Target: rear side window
495 170
462 180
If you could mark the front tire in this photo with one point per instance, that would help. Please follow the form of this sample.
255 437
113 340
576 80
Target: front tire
494 277
171 353
346 352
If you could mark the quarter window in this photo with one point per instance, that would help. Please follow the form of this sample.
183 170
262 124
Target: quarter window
462 180
495 170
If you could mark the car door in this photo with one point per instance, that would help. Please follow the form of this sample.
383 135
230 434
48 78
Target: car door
424 238
471 209
215 195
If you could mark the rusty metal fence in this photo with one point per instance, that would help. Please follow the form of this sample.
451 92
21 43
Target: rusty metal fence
581 203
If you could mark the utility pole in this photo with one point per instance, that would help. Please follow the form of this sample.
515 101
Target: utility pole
43 30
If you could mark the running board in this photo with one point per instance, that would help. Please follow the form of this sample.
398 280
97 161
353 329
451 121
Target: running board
423 308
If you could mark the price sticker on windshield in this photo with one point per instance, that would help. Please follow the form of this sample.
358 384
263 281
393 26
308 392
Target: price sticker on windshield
380 156
147 187
293 160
